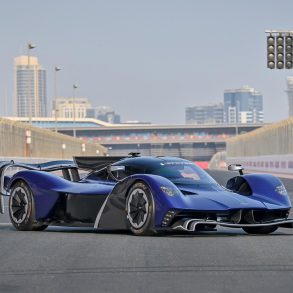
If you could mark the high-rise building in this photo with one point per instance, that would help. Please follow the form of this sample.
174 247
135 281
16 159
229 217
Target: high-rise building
66 107
29 87
244 105
290 94
104 113
211 114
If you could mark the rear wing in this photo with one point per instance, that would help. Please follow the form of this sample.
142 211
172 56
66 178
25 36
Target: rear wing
95 163
47 167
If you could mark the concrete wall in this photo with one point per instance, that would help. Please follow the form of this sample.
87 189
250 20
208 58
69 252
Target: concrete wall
268 149
44 143
276 139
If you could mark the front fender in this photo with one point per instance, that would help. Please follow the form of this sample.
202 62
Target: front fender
264 189
113 215
163 201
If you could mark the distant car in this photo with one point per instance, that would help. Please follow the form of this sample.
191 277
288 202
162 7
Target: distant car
143 194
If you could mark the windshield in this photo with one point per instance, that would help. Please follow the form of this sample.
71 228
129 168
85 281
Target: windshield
179 172
182 172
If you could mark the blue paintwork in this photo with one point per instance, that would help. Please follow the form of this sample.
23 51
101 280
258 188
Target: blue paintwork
215 198
46 188
263 186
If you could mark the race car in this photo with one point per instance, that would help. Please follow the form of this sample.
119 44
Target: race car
146 195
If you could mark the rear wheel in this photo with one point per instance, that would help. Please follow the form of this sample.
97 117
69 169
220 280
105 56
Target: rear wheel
140 209
260 230
22 208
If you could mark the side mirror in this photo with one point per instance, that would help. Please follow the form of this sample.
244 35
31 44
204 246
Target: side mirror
236 167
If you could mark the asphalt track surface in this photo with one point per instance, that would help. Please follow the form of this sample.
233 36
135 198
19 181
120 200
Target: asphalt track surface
80 260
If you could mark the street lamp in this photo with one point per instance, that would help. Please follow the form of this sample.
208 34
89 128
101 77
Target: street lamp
73 108
30 46
56 69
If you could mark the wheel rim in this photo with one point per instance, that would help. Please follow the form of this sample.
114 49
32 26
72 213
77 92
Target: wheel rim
18 205
137 208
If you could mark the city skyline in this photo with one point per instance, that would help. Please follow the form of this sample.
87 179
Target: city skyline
242 105
157 56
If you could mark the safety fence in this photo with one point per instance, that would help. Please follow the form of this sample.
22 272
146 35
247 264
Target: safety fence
23 140
279 164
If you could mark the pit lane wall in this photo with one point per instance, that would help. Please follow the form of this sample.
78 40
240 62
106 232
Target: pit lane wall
22 140
268 149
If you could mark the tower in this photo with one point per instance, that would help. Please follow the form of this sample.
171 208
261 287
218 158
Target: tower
290 94
29 87
244 105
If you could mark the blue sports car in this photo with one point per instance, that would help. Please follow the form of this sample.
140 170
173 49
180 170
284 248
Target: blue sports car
143 194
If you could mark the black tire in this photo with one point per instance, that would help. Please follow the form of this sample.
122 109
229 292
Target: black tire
39 227
140 210
22 208
260 230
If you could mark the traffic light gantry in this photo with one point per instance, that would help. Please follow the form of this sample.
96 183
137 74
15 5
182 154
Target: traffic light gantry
279 49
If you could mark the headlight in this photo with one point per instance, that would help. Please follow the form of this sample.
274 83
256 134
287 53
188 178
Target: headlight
281 190
169 190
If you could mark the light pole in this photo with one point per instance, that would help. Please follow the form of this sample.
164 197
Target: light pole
73 109
56 69
30 46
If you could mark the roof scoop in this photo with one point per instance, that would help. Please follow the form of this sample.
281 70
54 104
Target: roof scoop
134 154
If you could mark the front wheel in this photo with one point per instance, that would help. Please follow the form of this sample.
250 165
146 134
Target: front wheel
140 209
22 208
260 230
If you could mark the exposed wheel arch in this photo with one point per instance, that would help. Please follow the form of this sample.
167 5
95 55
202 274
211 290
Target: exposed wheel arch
22 207
140 209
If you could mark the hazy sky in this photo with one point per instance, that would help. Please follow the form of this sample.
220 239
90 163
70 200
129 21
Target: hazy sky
148 59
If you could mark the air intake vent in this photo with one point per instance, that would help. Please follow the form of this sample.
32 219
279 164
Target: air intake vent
186 192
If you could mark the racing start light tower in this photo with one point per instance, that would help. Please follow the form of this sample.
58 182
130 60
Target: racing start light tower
279 49
289 51
271 52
